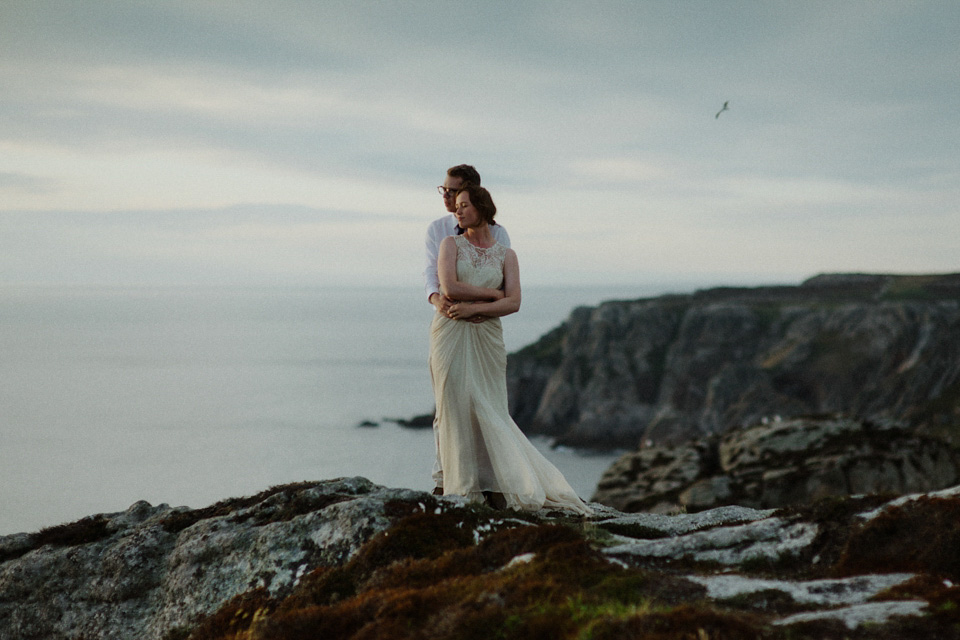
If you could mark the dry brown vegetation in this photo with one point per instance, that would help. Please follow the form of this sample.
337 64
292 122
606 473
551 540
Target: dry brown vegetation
429 577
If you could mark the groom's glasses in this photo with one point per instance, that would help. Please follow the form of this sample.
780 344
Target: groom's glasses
446 192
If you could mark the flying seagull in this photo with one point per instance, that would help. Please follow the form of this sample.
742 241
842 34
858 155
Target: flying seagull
726 107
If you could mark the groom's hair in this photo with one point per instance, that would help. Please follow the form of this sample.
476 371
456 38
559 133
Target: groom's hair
481 199
465 172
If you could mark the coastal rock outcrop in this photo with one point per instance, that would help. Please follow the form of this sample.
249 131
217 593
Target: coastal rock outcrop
780 463
349 559
680 367
146 571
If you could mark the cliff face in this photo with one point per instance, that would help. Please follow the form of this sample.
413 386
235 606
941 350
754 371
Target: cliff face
675 368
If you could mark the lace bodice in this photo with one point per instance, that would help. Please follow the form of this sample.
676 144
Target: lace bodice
480 267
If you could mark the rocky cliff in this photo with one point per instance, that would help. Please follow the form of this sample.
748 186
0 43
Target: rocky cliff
780 463
349 559
675 368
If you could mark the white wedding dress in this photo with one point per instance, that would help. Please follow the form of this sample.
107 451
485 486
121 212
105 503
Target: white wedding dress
480 446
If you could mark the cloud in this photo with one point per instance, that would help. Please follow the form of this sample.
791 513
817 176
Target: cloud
21 183
595 118
253 244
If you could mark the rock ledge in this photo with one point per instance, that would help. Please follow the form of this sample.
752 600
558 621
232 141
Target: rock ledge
347 558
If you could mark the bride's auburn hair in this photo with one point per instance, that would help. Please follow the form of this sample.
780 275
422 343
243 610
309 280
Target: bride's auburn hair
481 199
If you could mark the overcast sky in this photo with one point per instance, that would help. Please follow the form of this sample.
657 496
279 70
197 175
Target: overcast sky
301 142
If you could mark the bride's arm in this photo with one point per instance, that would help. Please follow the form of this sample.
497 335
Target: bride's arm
510 303
453 288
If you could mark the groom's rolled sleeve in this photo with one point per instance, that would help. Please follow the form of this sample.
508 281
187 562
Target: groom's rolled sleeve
431 280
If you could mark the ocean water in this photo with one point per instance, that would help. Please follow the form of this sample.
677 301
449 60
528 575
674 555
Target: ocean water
188 396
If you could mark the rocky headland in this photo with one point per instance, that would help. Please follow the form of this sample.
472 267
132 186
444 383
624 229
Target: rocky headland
677 368
349 559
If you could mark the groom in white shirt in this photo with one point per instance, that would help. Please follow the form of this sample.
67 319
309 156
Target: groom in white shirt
436 232
447 226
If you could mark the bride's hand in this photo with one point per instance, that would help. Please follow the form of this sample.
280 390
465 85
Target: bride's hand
461 311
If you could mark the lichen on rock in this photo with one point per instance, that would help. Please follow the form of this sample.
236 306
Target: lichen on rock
779 463
349 559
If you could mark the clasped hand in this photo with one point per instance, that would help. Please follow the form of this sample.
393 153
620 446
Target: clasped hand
464 311
460 310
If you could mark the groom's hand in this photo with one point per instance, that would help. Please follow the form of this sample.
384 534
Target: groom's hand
441 302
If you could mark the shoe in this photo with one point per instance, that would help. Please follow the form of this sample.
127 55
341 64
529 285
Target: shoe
495 500
438 491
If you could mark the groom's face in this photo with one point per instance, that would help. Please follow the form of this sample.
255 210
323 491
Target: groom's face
450 195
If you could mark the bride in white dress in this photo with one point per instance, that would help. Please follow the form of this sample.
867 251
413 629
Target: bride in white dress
482 451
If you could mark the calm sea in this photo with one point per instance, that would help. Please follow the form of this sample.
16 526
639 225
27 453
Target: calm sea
187 396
